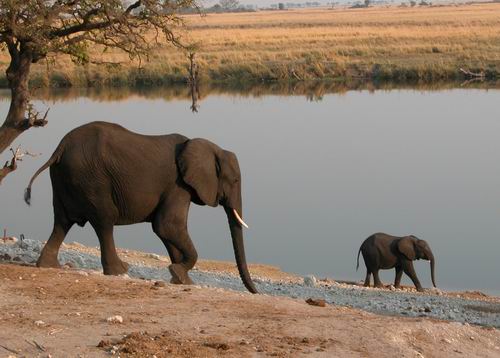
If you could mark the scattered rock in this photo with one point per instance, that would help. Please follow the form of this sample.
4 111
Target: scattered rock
154 256
104 343
159 284
5 257
316 302
310 281
114 319
217 345
39 323
435 290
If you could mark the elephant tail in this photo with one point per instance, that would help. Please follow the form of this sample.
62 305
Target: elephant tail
357 262
53 159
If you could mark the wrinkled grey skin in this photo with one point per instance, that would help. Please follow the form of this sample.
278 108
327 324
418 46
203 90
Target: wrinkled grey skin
103 174
381 251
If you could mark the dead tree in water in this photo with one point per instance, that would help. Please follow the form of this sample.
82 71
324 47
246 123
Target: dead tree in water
31 30
193 82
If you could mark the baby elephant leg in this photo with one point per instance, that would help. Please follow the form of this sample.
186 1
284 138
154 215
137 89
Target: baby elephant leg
376 278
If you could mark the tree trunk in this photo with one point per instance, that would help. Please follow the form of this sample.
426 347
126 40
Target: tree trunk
17 77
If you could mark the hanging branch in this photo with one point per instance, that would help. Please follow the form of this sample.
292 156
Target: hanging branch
17 156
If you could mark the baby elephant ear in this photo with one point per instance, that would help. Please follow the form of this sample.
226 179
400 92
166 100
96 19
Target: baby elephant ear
197 164
406 246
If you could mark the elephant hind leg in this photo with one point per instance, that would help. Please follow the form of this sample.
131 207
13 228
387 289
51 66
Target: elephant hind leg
111 263
376 280
48 256
367 279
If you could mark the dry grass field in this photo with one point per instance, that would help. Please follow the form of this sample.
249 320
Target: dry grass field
400 44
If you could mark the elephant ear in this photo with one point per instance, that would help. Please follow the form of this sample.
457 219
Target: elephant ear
197 164
407 247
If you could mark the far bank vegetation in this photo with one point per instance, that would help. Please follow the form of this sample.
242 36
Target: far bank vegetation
399 43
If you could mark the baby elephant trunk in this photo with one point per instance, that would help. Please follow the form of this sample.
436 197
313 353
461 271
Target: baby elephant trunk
432 270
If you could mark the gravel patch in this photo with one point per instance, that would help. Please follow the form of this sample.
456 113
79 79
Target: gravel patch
396 302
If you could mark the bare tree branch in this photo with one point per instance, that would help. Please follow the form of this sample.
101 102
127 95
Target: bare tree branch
31 30
17 156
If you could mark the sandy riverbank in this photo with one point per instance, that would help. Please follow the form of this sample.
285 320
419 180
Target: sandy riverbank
64 313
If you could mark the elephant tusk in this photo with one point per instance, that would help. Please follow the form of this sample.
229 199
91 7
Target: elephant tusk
240 220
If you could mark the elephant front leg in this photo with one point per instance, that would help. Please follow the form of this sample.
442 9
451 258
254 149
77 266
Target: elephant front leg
170 225
188 256
48 256
177 269
111 263
410 271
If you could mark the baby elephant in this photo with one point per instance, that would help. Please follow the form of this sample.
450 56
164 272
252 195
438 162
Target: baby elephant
382 251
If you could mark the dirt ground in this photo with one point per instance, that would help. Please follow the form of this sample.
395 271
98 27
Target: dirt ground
63 313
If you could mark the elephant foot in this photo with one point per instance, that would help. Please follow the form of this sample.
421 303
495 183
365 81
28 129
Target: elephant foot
48 261
179 275
379 285
118 268
366 285
420 289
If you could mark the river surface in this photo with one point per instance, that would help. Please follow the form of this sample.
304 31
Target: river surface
320 174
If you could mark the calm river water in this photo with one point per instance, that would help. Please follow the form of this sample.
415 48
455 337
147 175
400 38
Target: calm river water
318 176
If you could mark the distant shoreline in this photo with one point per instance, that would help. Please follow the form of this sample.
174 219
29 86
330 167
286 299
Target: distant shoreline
398 44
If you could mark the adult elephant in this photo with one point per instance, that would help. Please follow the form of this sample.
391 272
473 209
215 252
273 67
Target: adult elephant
103 174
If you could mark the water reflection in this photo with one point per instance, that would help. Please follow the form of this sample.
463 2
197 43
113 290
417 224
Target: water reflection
318 177
313 91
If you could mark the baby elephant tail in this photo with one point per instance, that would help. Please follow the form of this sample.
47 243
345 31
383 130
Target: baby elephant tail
357 263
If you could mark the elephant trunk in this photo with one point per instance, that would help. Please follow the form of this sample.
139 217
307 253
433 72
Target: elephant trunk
239 248
432 270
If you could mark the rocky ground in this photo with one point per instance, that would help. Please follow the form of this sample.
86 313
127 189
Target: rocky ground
76 311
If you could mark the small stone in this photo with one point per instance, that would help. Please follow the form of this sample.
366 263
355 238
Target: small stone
39 323
154 256
159 284
471 338
310 281
5 257
316 302
427 309
115 319
104 343
392 288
